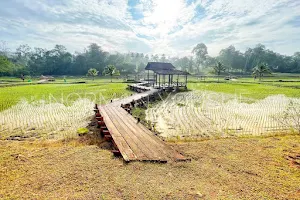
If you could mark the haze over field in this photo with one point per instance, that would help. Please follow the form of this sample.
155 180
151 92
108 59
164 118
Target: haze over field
171 27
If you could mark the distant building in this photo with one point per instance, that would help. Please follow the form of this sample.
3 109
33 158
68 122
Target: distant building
44 79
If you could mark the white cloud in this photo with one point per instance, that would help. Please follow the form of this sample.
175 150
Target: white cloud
172 27
227 22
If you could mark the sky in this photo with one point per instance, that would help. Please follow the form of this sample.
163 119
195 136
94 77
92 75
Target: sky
171 27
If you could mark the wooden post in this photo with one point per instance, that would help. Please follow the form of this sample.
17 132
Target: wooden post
159 81
186 81
154 77
148 76
177 80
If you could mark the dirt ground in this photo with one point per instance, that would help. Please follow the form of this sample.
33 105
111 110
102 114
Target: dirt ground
243 168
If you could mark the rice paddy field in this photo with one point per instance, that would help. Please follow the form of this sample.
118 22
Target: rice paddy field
229 109
52 111
209 109
62 93
212 114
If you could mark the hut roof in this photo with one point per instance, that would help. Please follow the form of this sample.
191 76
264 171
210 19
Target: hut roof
164 68
171 72
154 66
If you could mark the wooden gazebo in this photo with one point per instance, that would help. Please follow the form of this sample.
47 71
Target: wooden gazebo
159 73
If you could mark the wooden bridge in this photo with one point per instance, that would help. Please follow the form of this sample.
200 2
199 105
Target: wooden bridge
132 140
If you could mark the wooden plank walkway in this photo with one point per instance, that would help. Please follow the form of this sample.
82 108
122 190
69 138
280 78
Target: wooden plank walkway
132 139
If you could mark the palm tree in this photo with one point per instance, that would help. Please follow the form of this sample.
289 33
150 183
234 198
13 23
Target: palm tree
111 70
93 72
260 70
218 69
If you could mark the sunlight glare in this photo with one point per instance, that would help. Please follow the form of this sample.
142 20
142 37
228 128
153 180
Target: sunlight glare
166 11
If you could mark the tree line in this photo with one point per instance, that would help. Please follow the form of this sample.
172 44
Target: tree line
58 61
236 61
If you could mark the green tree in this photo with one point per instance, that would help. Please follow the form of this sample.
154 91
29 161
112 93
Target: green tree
23 53
201 52
210 61
163 58
58 61
96 57
37 62
6 67
93 72
218 68
260 70
79 64
232 58
296 58
254 56
111 70
154 58
141 67
3 48
191 65
127 68
147 58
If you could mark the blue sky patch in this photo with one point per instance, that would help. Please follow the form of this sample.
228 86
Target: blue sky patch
200 13
295 22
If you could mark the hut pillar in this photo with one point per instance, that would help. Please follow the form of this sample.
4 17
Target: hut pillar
186 81
159 80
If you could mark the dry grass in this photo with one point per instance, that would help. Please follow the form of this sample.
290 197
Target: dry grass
234 168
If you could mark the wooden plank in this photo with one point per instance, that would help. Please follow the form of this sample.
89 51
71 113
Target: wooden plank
132 141
122 145
142 127
128 99
126 152
161 146
108 122
144 144
147 140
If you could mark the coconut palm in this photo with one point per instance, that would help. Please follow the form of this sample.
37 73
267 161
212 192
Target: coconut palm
260 70
93 72
111 70
218 69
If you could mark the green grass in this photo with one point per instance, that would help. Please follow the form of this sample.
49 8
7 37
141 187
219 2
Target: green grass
64 93
101 87
82 131
71 79
284 84
139 113
248 90
280 80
